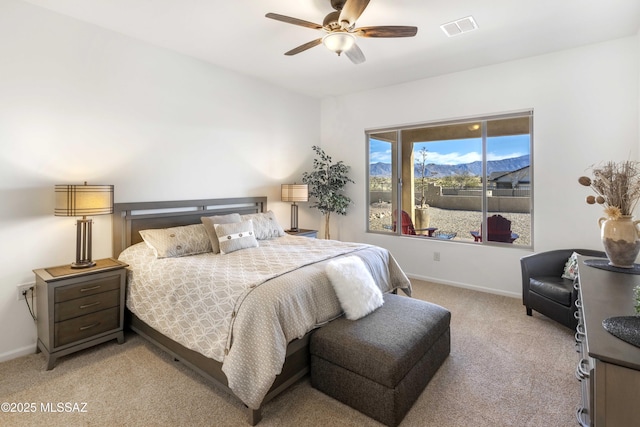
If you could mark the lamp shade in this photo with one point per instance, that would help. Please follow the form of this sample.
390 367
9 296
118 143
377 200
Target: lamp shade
295 193
83 200
339 41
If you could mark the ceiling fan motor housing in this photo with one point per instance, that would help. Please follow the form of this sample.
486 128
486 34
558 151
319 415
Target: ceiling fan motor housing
331 21
338 4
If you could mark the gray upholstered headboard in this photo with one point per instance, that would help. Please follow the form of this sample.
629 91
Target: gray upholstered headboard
130 218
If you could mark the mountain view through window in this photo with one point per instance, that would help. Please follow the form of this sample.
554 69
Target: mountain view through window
453 180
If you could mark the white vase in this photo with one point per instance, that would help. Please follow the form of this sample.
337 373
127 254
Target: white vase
621 240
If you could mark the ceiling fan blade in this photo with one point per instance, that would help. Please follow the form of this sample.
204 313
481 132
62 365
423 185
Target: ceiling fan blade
386 31
304 47
294 21
355 54
351 11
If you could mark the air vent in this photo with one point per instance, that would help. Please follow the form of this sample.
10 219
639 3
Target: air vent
459 26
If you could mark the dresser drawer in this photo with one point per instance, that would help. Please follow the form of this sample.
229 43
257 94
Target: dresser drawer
90 287
86 326
89 304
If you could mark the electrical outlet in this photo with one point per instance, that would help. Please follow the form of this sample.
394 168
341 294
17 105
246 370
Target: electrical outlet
436 256
25 288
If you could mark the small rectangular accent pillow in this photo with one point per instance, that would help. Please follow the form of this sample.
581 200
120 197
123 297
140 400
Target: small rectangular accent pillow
209 221
235 236
265 225
356 290
177 241
571 267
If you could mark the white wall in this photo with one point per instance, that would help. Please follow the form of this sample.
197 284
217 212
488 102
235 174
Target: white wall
586 109
81 103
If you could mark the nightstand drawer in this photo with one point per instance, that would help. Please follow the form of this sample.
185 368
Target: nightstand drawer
86 326
303 233
89 304
90 287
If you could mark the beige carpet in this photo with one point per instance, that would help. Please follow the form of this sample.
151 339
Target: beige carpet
505 369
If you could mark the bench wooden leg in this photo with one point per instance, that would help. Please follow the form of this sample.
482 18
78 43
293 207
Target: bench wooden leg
255 415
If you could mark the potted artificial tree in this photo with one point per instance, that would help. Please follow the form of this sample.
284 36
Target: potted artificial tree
326 185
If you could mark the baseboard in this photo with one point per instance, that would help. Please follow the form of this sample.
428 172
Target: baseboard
14 354
465 286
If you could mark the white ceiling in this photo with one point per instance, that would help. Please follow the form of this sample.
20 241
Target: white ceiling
236 35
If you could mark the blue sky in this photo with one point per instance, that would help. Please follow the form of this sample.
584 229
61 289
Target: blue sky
453 152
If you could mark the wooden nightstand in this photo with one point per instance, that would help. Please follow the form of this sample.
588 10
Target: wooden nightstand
79 308
302 232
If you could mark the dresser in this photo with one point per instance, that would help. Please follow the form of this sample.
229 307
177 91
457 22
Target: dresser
79 308
609 368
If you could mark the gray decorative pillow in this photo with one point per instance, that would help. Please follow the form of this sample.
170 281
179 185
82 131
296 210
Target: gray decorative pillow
235 236
265 225
177 241
209 221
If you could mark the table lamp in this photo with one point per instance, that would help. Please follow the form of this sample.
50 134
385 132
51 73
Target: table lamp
83 200
295 193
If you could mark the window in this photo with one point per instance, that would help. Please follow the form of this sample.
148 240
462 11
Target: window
453 180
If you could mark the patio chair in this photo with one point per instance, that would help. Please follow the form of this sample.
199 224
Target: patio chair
499 230
407 225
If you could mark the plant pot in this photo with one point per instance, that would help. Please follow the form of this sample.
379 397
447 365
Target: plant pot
621 240
422 217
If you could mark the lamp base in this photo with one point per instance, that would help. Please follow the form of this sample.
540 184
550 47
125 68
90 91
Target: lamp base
83 264
83 244
294 217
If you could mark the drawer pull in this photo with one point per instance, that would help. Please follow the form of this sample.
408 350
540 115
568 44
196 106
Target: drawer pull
580 415
90 305
93 325
91 288
581 373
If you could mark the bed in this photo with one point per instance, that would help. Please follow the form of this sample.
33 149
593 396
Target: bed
276 294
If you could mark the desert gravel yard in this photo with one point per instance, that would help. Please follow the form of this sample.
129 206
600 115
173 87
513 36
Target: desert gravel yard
454 221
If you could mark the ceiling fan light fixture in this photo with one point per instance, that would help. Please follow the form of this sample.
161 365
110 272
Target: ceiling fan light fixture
339 41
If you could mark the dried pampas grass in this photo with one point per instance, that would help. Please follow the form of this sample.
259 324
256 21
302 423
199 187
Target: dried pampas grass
617 187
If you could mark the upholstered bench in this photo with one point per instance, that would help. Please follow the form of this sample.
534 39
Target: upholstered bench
381 363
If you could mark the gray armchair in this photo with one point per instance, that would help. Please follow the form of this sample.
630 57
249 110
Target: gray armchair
543 288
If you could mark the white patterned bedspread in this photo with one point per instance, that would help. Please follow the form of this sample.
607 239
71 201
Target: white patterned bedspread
243 308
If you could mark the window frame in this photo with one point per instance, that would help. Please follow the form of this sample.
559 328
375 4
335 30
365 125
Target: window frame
397 180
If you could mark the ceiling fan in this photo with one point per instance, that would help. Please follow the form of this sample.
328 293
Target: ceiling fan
340 28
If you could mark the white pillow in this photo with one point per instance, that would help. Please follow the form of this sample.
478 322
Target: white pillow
209 222
357 292
235 236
